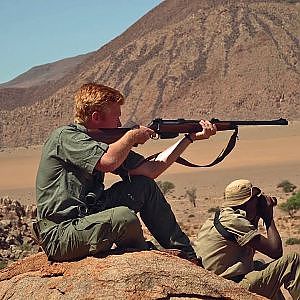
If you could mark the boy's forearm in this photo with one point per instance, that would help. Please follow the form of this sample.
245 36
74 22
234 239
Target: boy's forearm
116 154
163 161
166 158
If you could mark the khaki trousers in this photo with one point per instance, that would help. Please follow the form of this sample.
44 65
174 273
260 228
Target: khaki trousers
267 282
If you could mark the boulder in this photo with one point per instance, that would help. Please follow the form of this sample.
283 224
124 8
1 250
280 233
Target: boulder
131 275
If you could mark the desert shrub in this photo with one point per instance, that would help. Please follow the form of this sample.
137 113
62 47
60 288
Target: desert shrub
292 241
166 187
292 205
3 264
286 186
26 247
191 194
213 209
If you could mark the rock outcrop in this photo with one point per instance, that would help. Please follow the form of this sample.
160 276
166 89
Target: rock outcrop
16 240
134 275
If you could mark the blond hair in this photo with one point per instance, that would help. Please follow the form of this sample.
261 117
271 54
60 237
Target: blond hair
93 96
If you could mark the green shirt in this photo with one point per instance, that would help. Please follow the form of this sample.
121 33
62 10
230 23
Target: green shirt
66 173
223 257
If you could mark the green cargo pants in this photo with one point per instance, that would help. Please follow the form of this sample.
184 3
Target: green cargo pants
144 196
267 282
117 223
94 233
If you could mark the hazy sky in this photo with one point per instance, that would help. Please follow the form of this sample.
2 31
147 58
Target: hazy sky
36 32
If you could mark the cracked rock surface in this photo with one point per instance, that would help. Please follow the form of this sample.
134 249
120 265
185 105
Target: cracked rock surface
134 275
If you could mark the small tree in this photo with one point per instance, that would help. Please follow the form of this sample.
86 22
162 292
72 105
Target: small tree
166 187
286 186
292 205
191 194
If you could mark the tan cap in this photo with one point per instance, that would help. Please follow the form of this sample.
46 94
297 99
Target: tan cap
239 192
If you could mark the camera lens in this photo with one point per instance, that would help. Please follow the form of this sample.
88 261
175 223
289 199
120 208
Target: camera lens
90 198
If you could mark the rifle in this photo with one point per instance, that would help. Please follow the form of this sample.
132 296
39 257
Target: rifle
168 129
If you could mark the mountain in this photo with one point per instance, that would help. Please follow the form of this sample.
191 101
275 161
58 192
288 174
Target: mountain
189 59
25 88
45 73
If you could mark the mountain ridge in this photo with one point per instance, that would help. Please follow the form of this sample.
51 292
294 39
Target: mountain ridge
45 73
225 59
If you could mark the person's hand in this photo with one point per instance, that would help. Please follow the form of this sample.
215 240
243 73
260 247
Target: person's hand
208 129
265 208
271 201
141 134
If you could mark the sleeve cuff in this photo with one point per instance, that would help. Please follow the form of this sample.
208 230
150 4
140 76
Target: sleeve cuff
90 166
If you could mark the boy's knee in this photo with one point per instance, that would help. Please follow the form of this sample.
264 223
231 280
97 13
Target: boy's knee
145 181
124 214
127 228
149 186
125 218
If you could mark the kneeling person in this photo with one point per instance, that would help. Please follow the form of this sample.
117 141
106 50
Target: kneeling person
228 240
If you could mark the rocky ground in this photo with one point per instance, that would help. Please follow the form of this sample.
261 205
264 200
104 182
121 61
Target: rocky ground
144 275
16 240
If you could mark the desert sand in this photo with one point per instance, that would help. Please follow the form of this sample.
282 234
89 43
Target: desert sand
266 155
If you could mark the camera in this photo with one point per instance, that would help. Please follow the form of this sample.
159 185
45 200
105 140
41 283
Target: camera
265 208
261 205
92 197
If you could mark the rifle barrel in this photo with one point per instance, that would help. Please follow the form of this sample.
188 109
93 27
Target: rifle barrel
280 121
168 128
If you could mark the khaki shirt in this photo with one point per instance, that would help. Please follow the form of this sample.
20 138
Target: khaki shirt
224 257
66 173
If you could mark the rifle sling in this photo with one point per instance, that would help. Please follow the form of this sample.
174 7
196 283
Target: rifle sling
221 229
221 156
